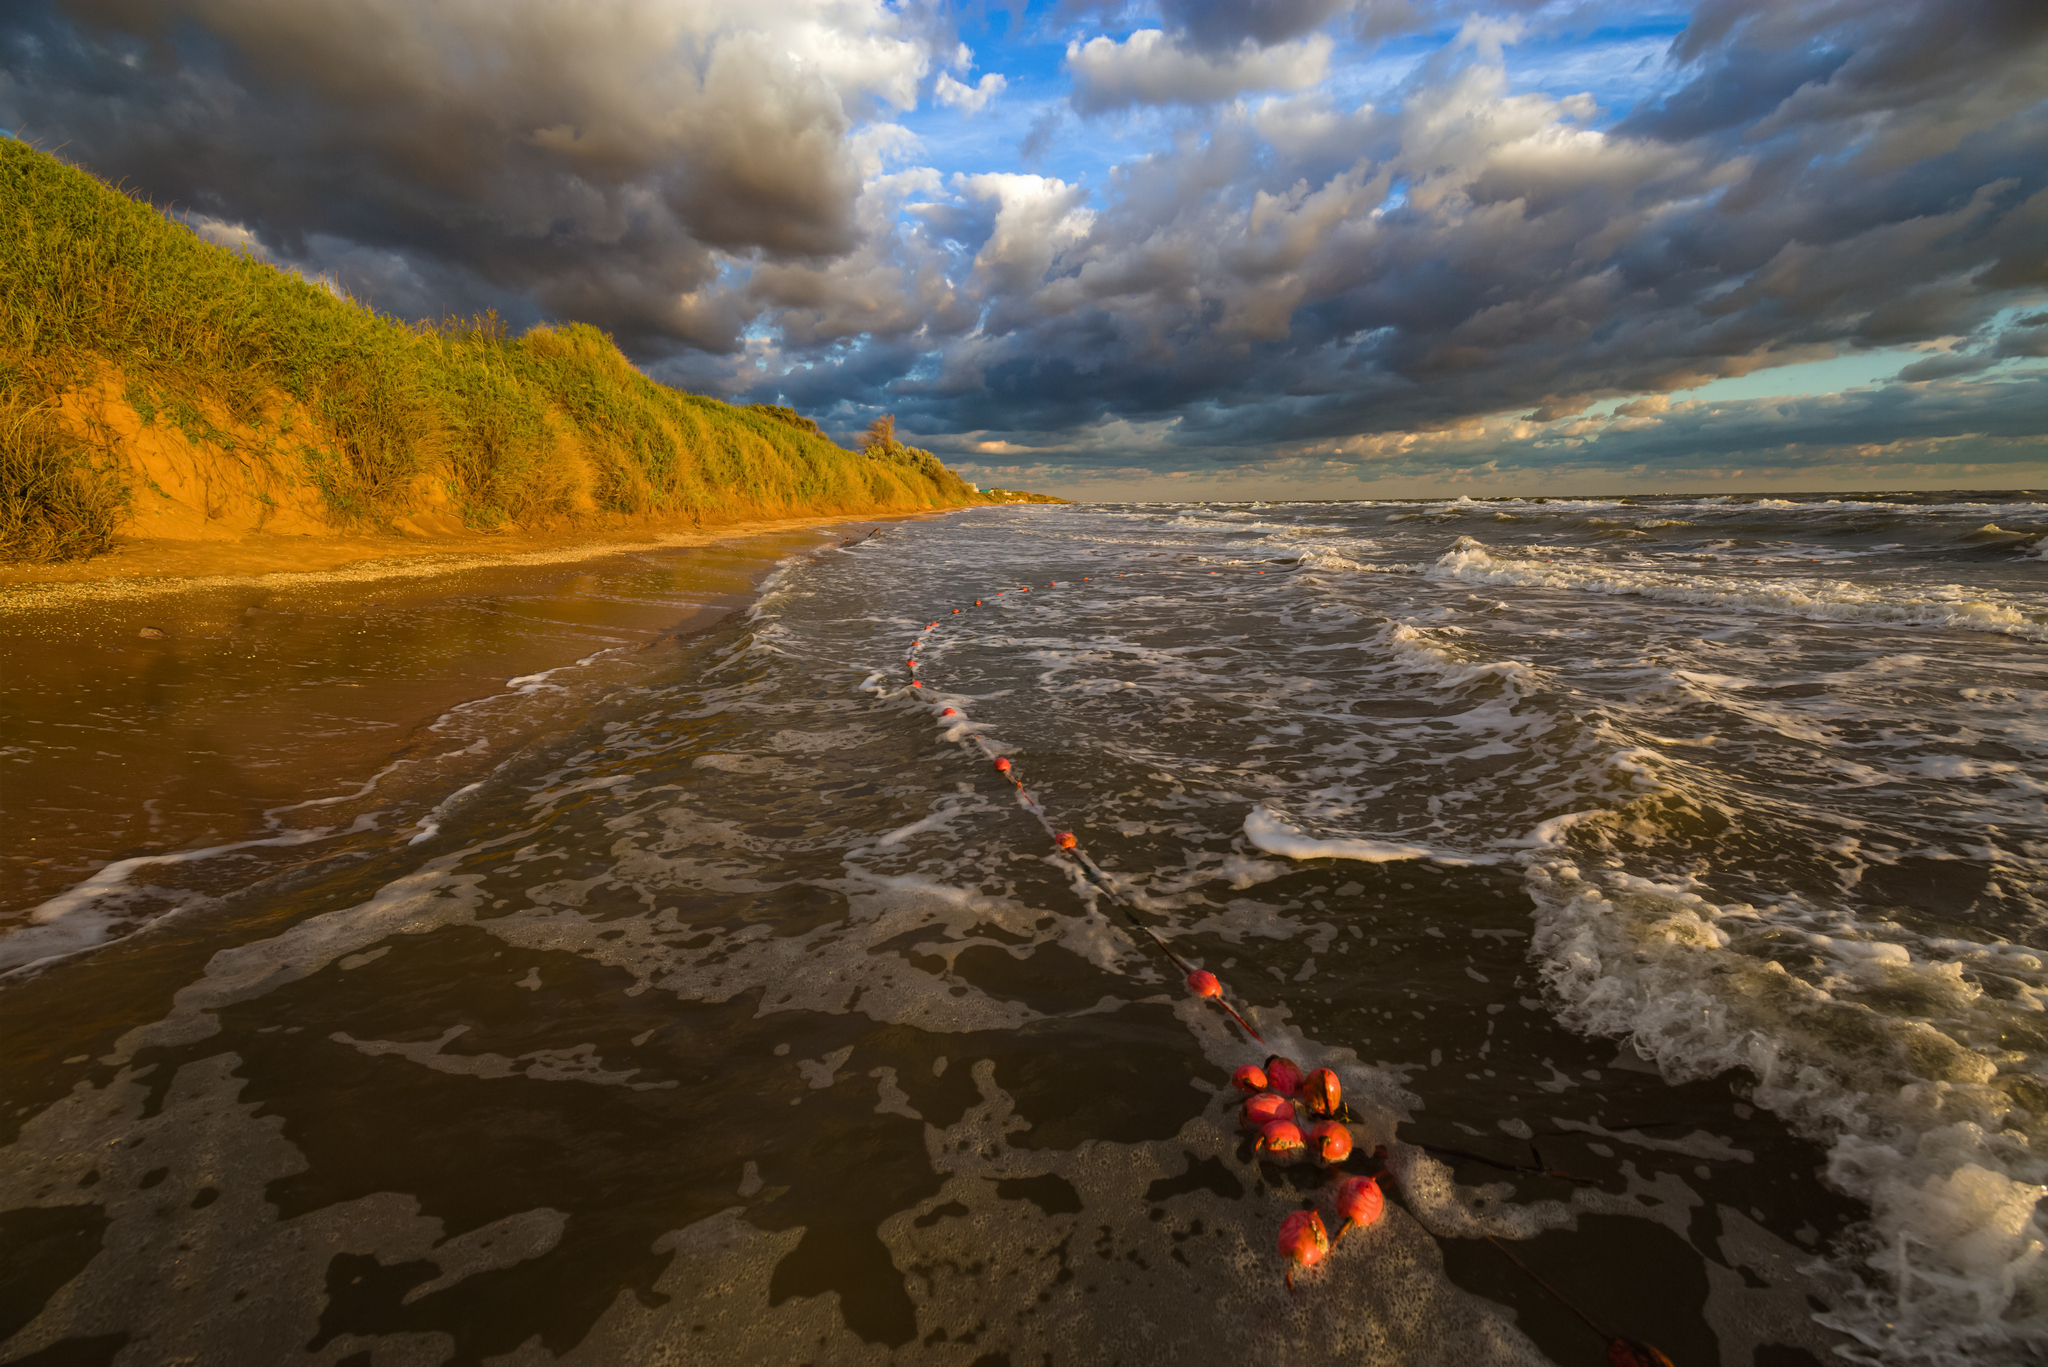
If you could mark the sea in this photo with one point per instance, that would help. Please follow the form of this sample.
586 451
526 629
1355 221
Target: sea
1665 880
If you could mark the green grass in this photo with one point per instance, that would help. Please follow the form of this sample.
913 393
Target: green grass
549 428
56 501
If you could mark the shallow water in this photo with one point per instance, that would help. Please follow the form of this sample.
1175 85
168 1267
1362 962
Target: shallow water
1663 878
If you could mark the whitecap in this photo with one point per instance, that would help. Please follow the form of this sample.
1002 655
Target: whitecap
1275 836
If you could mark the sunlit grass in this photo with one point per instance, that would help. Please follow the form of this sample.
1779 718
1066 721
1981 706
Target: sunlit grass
552 427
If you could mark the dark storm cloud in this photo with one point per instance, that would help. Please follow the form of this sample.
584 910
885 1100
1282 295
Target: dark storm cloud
1214 24
2002 417
1944 366
1901 428
1885 183
1298 271
594 158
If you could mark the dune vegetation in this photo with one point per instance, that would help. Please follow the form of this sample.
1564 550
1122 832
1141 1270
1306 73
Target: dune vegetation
141 364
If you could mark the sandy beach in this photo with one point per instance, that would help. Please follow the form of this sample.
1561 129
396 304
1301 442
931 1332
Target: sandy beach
156 565
198 688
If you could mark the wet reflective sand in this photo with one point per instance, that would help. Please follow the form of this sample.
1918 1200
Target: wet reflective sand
710 1001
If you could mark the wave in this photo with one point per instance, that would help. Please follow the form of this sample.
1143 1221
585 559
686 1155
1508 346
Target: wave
1825 600
1320 558
1916 1123
1275 836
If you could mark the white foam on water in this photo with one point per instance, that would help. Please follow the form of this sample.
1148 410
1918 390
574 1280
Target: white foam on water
986 1256
1914 1121
196 1262
577 1063
1826 600
1323 558
430 824
1275 836
1634 961
87 914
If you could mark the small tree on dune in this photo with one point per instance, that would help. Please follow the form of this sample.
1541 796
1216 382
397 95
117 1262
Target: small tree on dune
881 434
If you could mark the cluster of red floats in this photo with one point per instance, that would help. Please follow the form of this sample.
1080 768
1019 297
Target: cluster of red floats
1275 1097
1277 1094
1273 1093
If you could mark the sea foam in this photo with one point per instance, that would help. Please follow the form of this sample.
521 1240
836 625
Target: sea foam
1825 600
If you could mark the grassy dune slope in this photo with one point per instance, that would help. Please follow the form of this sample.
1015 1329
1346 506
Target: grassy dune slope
146 372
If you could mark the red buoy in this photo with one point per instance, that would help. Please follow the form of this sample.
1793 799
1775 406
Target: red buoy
1065 840
1303 1241
1262 1109
1002 766
949 712
1360 1201
1281 1138
915 684
1321 1092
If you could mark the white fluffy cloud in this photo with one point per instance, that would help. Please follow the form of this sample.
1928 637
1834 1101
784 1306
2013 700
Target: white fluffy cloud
969 99
1153 67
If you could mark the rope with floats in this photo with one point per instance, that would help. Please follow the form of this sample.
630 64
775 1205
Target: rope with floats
1068 845
1274 1091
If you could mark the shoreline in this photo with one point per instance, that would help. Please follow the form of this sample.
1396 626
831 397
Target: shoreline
223 690
149 567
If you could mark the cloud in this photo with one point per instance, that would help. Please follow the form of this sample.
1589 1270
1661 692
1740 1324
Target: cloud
2029 339
1302 269
601 161
1223 25
1283 266
1037 219
969 99
1151 67
1945 366
1882 433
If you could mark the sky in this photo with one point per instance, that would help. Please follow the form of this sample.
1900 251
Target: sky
1172 248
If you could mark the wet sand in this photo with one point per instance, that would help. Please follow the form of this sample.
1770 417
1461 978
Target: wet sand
727 1016
146 566
176 697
